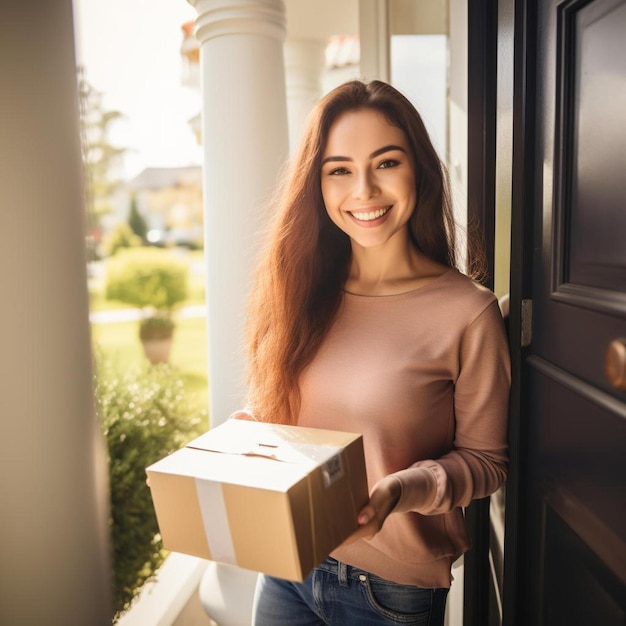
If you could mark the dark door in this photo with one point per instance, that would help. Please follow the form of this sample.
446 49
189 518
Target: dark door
568 520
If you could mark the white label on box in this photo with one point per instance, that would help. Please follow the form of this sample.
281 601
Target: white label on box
215 520
333 470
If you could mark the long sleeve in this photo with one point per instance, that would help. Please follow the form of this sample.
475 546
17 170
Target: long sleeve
476 466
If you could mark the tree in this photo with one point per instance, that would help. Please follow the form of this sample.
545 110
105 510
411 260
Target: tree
100 156
136 220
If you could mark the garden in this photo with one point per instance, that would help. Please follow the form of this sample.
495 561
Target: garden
148 406
149 344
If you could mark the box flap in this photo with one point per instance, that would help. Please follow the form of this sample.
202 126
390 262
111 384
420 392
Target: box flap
234 469
280 443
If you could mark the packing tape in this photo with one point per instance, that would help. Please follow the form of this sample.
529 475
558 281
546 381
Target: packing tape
215 521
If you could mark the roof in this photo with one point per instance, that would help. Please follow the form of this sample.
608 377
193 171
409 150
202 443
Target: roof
164 177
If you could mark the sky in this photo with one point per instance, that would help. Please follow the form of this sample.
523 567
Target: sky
131 52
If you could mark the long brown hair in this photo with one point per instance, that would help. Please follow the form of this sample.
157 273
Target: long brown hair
299 280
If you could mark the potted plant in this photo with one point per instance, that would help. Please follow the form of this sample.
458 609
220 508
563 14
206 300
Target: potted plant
156 333
154 281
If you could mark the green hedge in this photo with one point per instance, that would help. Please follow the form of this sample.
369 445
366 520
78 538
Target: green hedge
145 414
121 237
147 277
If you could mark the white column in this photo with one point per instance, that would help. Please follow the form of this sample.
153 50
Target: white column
304 65
54 555
245 143
375 35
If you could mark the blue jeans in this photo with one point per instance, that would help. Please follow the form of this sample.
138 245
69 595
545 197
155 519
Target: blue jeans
336 594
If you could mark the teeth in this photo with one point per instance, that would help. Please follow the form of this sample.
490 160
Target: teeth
371 215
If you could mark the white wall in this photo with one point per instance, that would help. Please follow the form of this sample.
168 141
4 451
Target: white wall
419 69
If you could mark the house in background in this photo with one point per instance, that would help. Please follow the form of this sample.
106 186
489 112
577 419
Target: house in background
535 100
170 200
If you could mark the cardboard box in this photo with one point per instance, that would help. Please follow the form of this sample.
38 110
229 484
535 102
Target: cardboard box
270 498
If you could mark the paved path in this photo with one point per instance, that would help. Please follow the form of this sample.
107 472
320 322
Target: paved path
132 315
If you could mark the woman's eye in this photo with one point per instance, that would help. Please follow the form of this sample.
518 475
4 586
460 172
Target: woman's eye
339 171
387 163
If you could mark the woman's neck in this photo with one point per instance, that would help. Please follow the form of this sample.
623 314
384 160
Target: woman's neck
386 270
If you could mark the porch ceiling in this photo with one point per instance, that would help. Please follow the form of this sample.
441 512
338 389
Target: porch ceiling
321 19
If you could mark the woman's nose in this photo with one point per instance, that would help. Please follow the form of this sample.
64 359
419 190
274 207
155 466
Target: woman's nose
366 187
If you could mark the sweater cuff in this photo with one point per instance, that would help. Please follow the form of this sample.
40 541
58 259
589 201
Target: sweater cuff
420 488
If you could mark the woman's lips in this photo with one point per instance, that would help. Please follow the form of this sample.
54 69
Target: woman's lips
370 215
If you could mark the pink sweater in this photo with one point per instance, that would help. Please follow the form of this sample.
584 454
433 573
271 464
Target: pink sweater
424 376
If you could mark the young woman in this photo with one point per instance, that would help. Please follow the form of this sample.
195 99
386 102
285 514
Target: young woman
360 321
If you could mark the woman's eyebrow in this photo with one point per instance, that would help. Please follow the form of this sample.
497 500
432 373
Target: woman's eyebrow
386 149
374 154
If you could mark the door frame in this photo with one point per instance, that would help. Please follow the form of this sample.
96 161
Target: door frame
482 90
523 224
482 32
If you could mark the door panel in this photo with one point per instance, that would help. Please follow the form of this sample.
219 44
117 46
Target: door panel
582 575
583 161
598 216
580 452
574 535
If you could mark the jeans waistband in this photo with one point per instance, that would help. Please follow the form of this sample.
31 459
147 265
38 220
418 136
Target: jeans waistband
337 568
343 571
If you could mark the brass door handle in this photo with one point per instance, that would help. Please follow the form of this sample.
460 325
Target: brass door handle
615 363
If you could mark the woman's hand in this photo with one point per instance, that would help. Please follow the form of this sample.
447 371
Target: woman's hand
383 499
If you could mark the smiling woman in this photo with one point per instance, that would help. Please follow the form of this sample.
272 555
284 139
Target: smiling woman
359 321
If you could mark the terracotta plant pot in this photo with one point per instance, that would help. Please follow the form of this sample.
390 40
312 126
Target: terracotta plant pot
157 350
156 334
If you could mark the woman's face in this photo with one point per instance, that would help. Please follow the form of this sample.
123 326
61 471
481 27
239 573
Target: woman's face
368 178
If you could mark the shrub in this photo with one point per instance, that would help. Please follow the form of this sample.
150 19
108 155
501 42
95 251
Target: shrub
121 237
144 414
147 278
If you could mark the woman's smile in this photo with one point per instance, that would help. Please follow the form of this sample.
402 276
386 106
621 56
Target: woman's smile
372 214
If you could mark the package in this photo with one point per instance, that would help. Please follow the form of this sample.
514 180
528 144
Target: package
270 498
